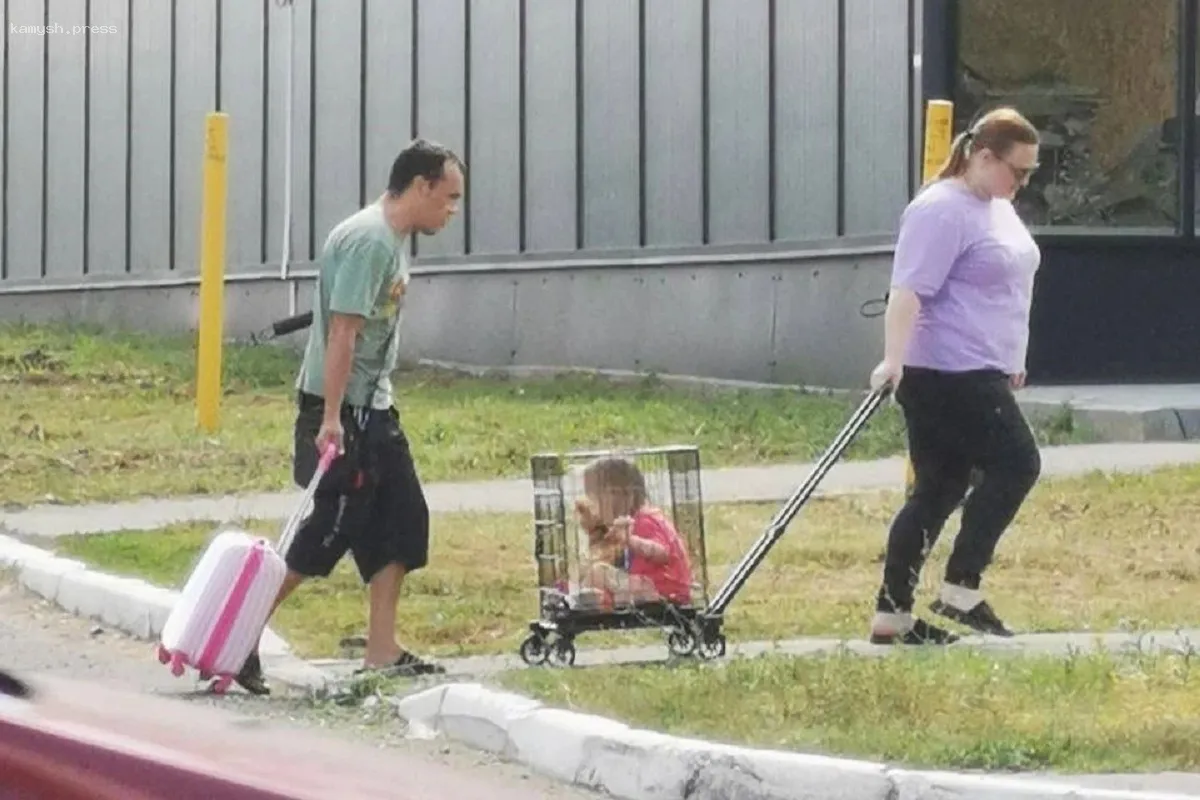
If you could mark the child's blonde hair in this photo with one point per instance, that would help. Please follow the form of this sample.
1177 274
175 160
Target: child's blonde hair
620 475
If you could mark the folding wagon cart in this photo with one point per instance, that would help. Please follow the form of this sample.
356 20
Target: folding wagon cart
673 483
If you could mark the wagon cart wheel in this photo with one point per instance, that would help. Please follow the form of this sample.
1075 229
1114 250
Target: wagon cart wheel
562 652
714 647
534 650
681 642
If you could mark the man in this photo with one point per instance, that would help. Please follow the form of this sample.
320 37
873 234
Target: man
371 503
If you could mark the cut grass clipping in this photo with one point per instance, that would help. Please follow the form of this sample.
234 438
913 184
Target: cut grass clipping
941 709
94 416
1096 553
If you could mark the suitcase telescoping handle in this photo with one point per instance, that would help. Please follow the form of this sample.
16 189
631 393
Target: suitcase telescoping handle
328 456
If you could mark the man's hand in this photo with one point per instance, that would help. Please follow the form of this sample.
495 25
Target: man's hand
330 433
1017 380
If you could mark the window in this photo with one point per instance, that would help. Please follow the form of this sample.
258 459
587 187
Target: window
1098 78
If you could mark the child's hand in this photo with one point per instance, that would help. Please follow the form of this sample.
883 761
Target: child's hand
587 513
620 530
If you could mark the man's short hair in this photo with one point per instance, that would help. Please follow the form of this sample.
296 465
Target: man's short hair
421 158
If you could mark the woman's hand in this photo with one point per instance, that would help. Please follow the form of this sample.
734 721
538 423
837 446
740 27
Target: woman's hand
886 374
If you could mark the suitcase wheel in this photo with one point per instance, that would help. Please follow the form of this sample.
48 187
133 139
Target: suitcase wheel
222 685
177 665
163 656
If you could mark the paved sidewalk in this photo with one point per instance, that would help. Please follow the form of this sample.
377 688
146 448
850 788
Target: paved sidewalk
1183 641
724 485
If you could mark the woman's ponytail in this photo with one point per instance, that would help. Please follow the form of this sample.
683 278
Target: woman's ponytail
956 163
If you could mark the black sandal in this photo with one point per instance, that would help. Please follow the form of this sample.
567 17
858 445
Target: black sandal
407 665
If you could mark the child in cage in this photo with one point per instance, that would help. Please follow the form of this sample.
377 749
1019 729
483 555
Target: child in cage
635 555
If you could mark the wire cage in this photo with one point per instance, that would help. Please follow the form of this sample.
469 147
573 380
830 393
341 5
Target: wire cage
587 578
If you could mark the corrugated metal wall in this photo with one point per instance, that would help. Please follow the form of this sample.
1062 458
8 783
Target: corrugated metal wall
587 124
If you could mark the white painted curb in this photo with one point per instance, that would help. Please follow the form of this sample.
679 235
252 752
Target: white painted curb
631 764
129 605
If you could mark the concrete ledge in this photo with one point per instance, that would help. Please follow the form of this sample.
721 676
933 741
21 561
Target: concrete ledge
518 311
129 605
1120 413
608 756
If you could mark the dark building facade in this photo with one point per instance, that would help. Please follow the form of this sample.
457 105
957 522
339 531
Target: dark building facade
1112 85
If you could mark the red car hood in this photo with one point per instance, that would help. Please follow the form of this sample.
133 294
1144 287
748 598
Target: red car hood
117 745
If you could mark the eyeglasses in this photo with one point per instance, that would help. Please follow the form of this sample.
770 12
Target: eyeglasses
1021 174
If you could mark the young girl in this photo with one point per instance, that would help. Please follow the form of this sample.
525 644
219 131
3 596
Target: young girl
635 553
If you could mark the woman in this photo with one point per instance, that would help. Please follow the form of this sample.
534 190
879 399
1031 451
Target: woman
956 331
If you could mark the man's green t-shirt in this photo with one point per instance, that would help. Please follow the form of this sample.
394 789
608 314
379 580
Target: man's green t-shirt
363 270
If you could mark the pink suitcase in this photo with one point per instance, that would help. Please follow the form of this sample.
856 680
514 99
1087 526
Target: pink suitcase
224 607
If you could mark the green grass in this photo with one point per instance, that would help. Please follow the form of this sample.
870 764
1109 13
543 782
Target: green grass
93 416
951 709
96 416
1093 553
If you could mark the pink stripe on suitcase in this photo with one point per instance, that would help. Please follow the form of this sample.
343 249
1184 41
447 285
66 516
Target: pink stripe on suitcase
233 607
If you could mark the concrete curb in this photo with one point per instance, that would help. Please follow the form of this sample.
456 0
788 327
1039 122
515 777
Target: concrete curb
129 605
632 764
1167 413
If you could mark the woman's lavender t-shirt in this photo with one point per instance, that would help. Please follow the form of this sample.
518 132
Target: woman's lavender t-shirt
972 262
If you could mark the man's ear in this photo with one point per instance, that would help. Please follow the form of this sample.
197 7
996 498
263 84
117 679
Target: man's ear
426 184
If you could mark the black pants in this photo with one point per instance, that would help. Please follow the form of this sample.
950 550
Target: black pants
956 422
370 503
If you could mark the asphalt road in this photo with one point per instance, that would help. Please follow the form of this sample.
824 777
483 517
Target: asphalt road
37 639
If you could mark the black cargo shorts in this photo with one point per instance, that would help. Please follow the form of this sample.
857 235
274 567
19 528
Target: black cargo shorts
370 503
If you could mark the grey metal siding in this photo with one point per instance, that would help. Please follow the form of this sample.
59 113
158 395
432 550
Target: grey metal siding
551 143
25 95
66 138
107 144
297 24
877 113
739 139
610 146
806 124
337 128
195 95
493 202
243 39
661 130
150 137
387 120
441 96
674 123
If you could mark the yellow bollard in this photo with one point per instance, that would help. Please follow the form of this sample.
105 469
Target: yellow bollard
939 132
212 272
